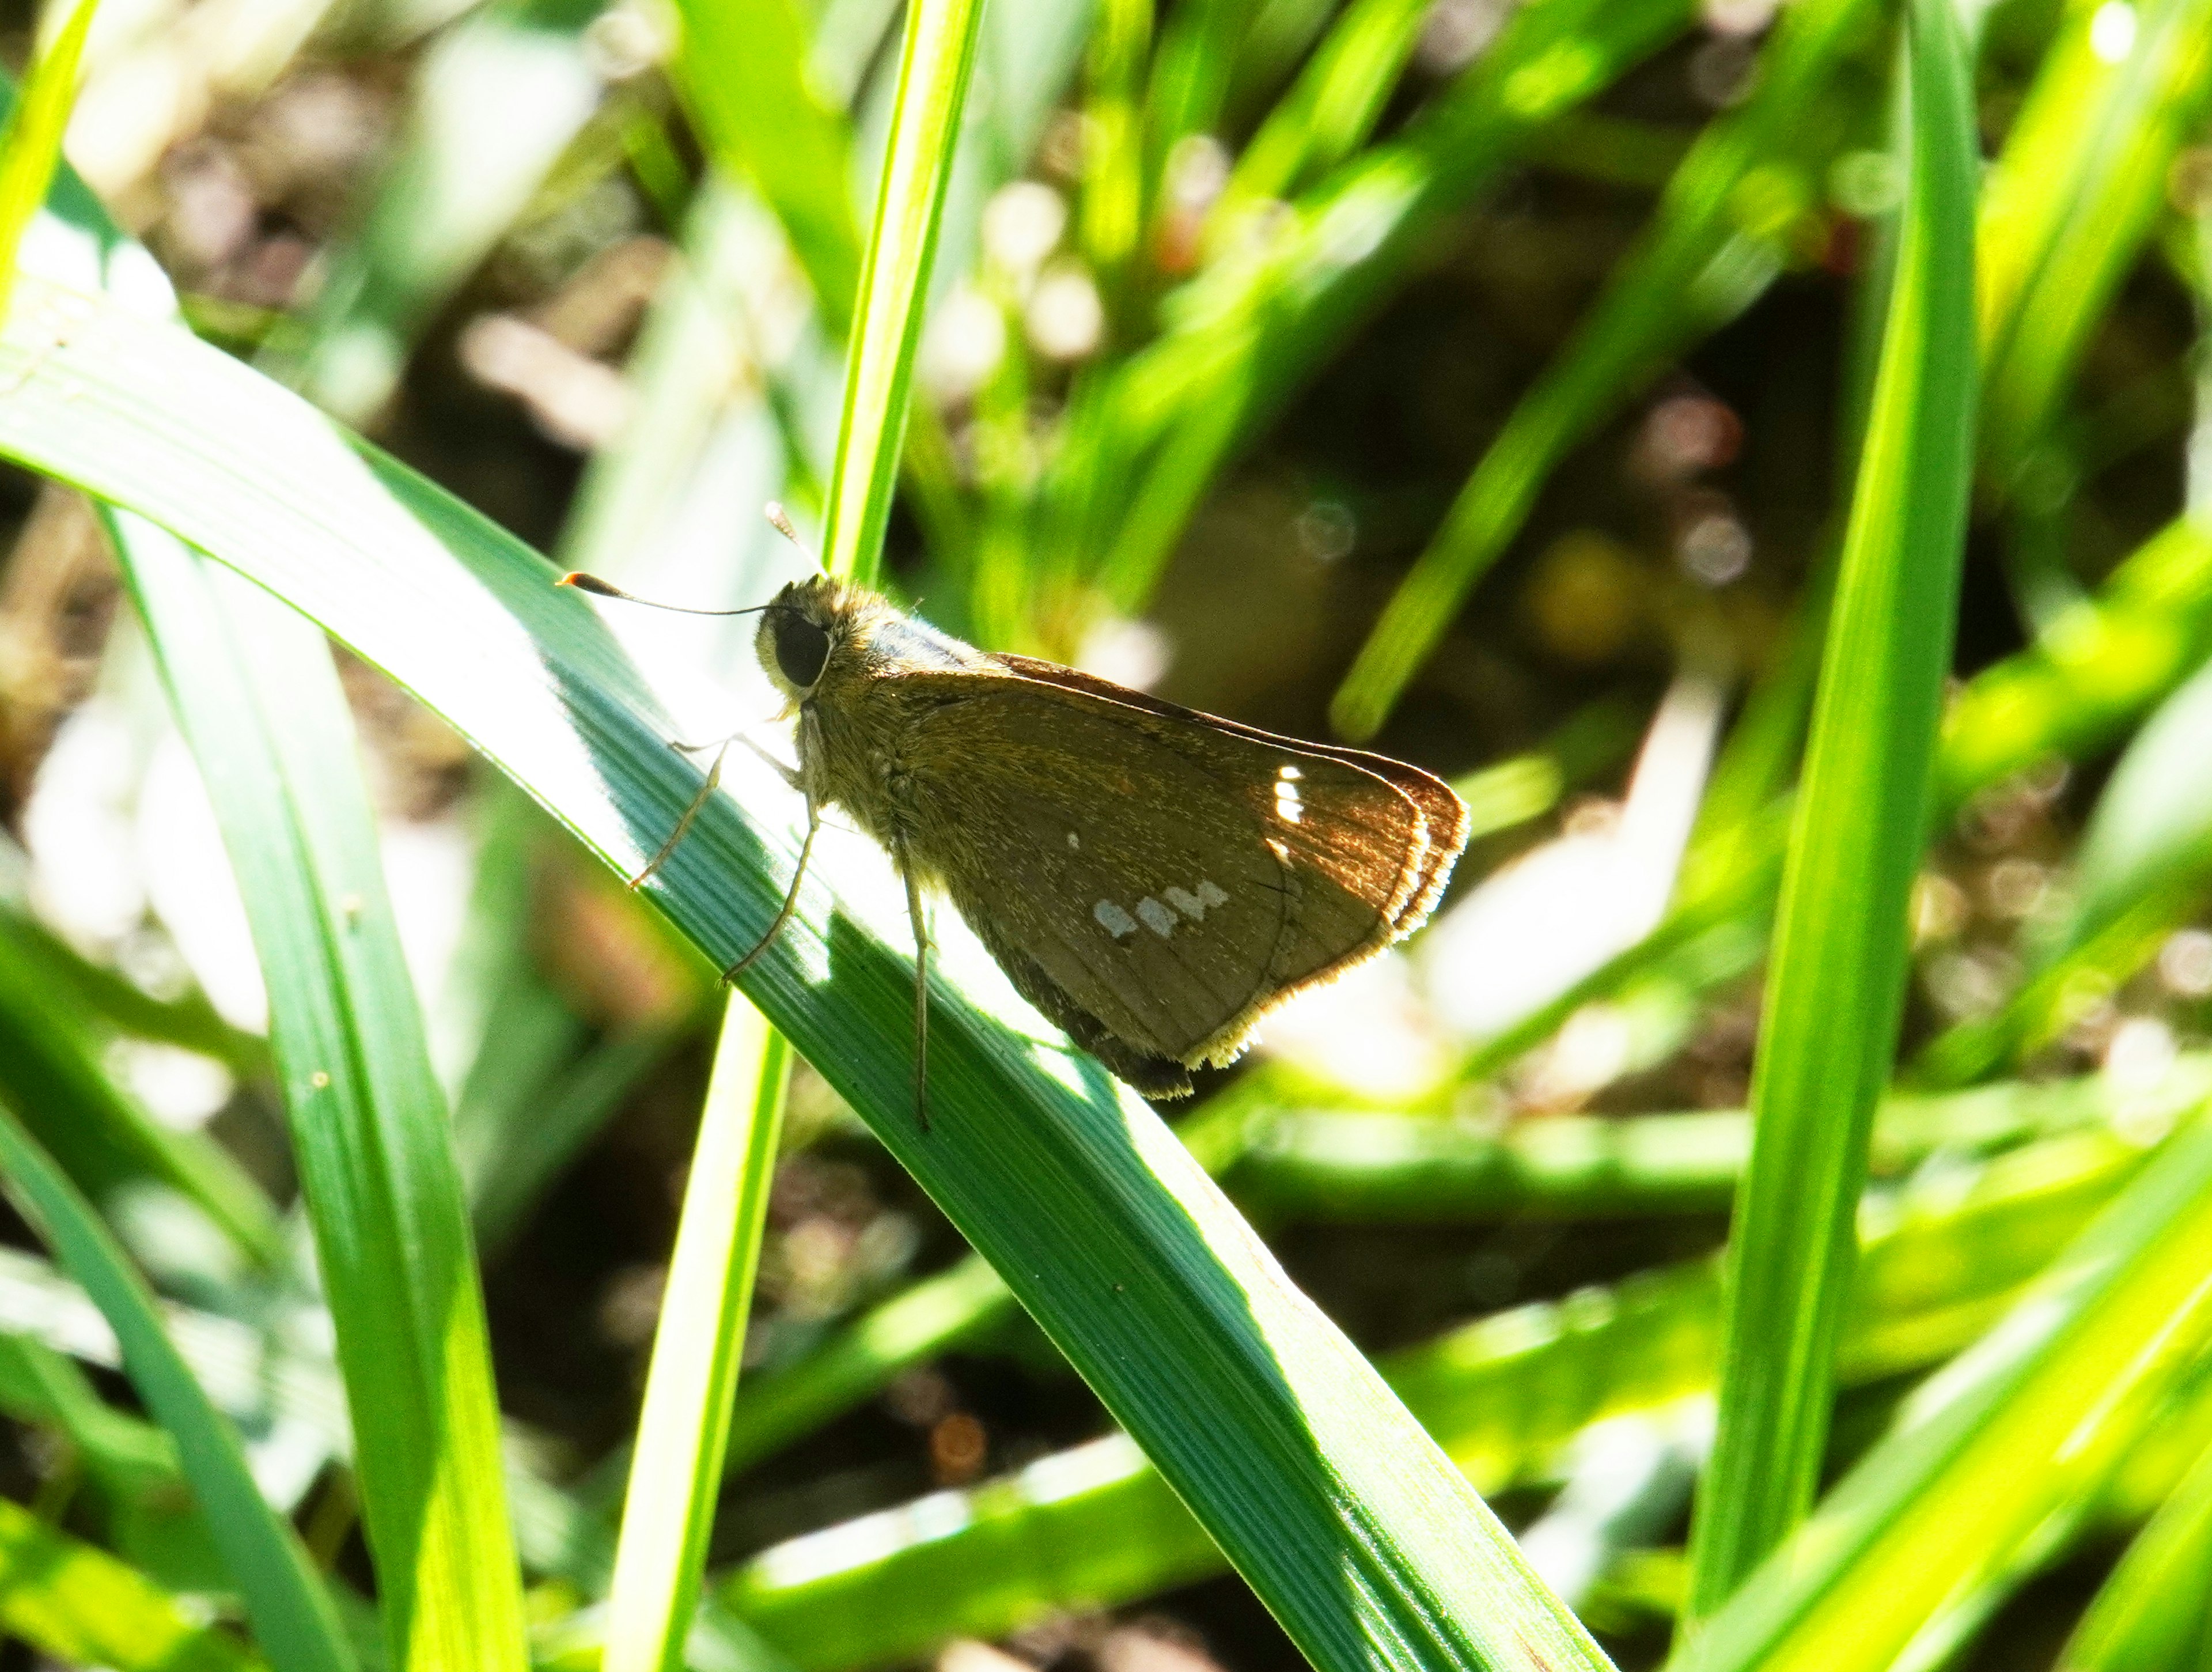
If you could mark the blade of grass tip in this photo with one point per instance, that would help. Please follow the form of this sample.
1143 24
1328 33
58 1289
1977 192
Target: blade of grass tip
31 139
676 1477
1721 232
78 1605
1310 1475
2018 1434
1836 989
935 62
292 1614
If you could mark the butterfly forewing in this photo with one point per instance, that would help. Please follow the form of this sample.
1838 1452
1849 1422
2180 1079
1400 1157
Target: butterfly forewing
1170 880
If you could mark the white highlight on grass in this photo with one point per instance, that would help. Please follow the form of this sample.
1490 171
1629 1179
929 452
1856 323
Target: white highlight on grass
1114 921
2112 31
1156 917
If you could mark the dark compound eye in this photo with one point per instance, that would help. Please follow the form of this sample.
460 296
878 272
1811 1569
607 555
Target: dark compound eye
801 647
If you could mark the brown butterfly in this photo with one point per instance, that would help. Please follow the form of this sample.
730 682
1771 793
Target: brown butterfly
1153 880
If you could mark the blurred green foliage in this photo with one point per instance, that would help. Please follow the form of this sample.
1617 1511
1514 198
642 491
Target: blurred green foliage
1564 393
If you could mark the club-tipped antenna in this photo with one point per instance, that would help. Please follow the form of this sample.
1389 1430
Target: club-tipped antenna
591 583
779 520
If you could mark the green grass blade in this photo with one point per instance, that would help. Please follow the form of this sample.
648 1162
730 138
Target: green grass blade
1354 1529
2083 174
1719 236
1505 1396
291 1613
257 696
1391 1169
1837 985
270 728
741 68
31 138
2022 1430
1252 328
934 1315
676 1476
1329 110
2149 1615
934 65
80 1606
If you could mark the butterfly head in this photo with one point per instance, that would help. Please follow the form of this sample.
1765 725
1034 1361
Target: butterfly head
801 630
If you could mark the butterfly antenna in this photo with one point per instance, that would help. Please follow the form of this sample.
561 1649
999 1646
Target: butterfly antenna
779 520
591 583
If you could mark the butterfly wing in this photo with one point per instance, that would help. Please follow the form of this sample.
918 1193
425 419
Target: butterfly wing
1445 813
1156 881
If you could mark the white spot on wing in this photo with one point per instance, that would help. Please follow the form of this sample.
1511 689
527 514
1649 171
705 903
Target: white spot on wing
1114 921
1193 906
1156 917
1288 808
1074 841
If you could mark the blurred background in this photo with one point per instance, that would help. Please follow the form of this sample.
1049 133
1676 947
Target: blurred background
1543 329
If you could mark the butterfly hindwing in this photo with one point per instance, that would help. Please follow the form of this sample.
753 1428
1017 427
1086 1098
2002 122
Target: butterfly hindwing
1169 880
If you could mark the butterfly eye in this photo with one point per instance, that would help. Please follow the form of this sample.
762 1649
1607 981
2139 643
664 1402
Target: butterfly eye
801 648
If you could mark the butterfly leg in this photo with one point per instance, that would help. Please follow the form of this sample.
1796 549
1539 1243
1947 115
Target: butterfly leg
707 789
790 900
789 774
921 948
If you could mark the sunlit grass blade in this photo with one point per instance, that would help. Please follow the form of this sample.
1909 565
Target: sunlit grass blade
1505 1395
1329 110
2150 1614
78 1605
743 71
1721 234
2083 174
292 1614
2022 1428
31 137
1030 1154
676 1474
1390 1169
270 728
1837 983
256 697
934 64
